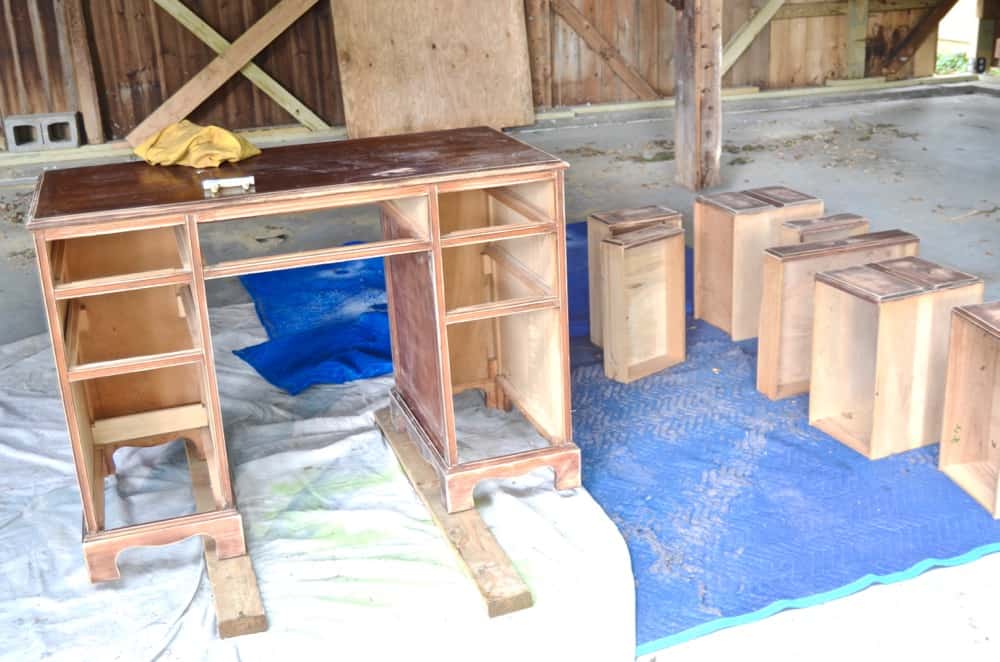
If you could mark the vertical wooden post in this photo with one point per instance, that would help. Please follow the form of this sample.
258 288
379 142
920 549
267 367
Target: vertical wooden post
857 33
539 18
988 11
698 108
83 71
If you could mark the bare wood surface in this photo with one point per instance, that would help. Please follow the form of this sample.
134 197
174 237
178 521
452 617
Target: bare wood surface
434 64
83 71
745 35
238 607
857 33
786 313
101 550
643 309
480 554
221 69
824 228
880 353
605 50
600 226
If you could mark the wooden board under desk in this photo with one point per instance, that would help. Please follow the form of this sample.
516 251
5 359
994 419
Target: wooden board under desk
494 318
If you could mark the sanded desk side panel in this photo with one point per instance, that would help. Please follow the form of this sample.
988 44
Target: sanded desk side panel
413 309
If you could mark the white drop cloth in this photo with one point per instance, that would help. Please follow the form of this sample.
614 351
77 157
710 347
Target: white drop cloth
349 564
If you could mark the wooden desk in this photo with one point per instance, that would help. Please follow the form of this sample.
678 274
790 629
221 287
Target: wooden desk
473 234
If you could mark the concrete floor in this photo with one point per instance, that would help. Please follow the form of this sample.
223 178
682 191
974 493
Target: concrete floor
927 164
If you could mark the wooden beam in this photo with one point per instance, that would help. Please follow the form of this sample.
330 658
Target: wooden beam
909 44
698 75
987 13
238 607
222 68
479 553
264 82
839 8
744 36
857 35
83 71
538 15
597 42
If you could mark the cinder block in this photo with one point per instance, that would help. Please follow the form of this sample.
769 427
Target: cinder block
23 133
60 130
31 133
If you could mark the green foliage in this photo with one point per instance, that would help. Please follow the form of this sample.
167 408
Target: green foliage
951 63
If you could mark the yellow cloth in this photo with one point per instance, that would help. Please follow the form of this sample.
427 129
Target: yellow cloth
186 143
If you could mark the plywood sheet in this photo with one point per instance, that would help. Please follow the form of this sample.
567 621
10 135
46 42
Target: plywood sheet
434 64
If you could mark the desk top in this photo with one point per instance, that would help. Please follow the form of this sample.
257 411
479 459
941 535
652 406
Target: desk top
76 195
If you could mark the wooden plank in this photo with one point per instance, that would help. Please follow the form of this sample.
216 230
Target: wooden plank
480 235
538 14
503 308
254 265
479 553
238 607
917 35
147 424
15 53
221 69
793 10
698 113
251 71
600 44
857 34
742 38
129 365
452 64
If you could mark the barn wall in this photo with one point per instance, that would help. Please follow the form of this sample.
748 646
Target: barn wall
141 55
35 72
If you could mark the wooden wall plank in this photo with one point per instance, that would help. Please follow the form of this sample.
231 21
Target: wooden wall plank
744 36
598 42
85 88
857 33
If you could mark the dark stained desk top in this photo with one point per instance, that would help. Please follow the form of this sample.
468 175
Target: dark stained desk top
92 191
